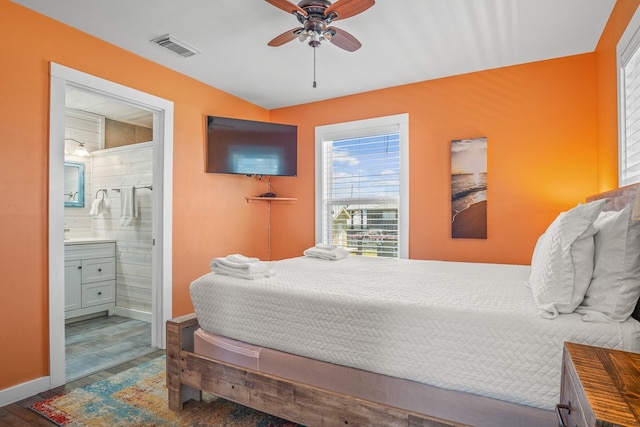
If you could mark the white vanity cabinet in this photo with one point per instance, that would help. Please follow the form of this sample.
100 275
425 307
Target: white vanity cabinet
90 278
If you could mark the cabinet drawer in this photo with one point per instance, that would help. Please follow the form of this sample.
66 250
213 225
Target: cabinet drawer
87 251
98 293
99 269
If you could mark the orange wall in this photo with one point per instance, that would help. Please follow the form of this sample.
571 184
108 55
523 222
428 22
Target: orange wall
542 121
210 215
552 140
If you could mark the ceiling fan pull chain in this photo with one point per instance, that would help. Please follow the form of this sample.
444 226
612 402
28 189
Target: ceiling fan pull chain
314 67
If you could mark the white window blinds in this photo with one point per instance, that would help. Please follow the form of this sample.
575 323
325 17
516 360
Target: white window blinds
361 192
629 104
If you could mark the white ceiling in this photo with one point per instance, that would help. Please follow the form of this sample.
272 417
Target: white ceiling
404 41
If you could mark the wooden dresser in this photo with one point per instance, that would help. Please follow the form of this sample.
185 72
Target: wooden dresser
600 387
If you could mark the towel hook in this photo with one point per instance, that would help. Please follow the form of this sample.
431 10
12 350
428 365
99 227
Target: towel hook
103 191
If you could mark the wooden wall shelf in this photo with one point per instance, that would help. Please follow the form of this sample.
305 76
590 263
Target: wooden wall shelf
271 199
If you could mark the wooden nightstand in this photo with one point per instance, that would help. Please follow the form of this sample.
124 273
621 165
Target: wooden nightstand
600 387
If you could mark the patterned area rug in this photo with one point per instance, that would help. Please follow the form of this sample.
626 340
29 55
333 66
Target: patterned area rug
138 397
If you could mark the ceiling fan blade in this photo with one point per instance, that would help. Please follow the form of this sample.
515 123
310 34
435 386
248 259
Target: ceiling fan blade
347 8
285 37
344 40
287 6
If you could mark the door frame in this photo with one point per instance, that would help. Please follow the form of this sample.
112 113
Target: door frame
162 109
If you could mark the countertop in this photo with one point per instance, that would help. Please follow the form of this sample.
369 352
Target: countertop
86 240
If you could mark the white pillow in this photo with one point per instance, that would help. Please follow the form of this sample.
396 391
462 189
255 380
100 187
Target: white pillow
615 287
562 262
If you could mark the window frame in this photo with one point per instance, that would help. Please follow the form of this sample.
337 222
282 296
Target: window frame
627 46
362 128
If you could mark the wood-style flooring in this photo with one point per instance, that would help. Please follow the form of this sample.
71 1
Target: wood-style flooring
19 415
98 344
95 349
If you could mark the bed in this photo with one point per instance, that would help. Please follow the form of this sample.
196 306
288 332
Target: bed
310 346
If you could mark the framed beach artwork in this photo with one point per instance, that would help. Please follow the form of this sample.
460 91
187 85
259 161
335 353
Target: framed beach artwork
469 188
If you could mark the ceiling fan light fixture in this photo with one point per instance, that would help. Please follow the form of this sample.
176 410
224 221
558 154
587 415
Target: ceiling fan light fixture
316 38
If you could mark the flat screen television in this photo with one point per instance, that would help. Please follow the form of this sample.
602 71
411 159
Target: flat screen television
248 147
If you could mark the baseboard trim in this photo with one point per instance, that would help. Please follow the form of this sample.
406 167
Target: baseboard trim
24 390
133 314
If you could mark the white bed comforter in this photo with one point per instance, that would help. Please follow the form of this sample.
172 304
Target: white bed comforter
461 326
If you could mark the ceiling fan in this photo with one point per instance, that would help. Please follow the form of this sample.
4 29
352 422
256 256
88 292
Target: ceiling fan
315 16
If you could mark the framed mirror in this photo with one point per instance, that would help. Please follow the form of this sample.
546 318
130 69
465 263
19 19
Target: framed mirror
74 184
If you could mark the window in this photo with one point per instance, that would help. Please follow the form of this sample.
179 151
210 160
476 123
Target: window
628 53
362 186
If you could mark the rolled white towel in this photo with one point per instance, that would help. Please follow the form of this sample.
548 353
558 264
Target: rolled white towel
239 258
243 274
325 247
328 254
252 267
243 270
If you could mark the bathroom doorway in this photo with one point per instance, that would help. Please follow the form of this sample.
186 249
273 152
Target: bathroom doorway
80 93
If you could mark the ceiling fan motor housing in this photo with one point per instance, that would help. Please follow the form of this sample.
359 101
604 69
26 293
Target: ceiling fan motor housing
314 6
315 16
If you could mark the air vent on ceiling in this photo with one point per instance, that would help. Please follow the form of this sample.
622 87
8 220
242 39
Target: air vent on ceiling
175 45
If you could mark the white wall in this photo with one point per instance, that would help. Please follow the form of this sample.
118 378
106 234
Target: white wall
87 128
113 169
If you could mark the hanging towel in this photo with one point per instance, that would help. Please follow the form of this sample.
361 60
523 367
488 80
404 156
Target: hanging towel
127 205
104 205
94 207
99 206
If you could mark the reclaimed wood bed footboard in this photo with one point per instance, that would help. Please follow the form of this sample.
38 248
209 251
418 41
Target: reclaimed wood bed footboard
189 374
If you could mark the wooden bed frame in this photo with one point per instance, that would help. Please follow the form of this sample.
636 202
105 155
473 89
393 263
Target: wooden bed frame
189 374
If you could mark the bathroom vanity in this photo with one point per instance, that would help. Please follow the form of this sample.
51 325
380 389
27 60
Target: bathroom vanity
90 277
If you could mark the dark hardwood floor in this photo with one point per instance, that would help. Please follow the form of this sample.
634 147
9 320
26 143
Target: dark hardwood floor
95 349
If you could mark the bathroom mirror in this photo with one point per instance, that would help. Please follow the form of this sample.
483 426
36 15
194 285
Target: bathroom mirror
74 184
